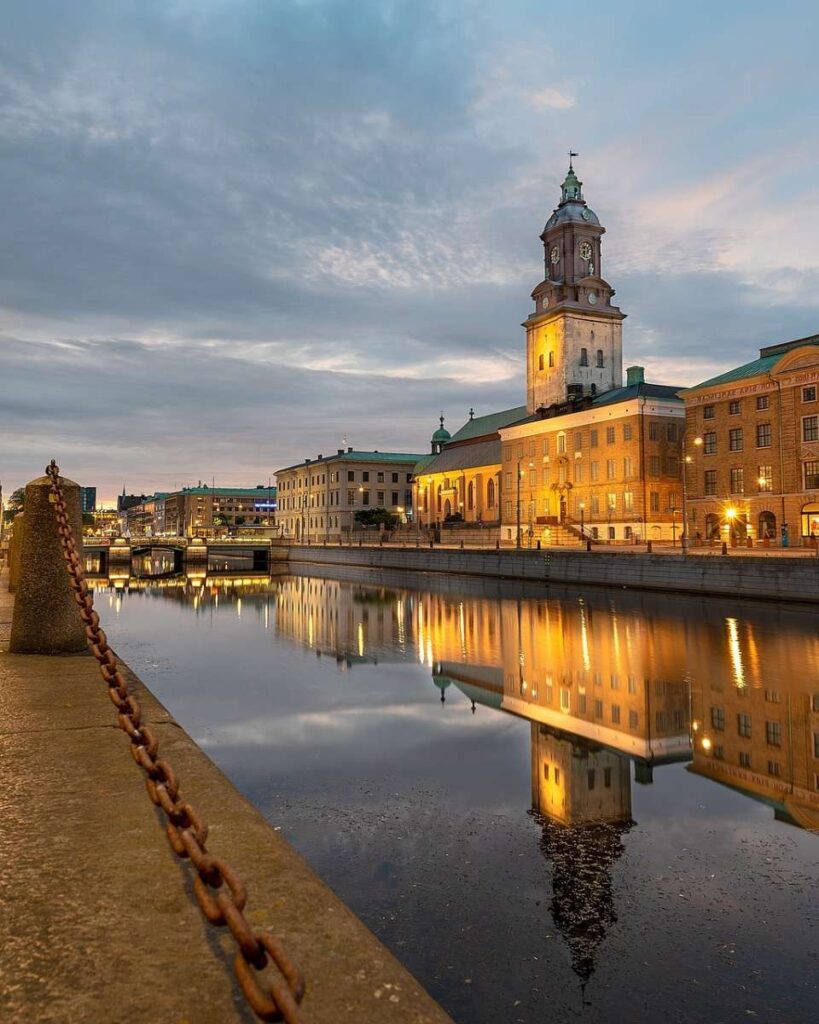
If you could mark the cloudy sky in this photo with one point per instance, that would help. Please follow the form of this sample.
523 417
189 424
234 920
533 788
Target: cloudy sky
236 232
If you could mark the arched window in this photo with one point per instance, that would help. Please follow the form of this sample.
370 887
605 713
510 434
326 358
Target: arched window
490 494
810 520
584 357
599 357
540 362
447 509
470 496
551 359
767 526
438 502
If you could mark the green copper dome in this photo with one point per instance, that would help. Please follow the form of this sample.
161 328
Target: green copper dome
441 434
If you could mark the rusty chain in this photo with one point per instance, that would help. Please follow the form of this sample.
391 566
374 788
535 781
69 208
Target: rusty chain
219 891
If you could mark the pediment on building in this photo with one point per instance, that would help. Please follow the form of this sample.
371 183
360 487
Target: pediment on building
798 358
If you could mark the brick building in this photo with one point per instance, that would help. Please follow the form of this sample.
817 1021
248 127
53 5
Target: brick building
752 449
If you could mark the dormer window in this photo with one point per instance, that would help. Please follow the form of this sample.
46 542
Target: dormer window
584 357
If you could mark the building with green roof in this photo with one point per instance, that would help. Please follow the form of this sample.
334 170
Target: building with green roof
329 497
752 449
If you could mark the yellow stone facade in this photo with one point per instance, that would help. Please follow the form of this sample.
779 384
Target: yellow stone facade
610 470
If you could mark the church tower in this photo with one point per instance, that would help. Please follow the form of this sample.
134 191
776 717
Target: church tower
574 337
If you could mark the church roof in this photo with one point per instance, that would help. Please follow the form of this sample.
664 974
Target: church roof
491 424
572 212
465 456
666 392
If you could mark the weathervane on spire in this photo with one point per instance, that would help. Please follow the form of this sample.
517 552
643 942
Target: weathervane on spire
571 155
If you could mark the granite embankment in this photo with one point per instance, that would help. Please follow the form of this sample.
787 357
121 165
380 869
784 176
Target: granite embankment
767 578
98 920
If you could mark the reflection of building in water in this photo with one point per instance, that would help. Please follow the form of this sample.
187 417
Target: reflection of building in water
345 620
575 781
757 728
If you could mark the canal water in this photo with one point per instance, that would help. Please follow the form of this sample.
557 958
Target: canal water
573 805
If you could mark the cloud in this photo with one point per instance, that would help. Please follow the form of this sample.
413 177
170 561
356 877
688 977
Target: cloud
553 99
236 231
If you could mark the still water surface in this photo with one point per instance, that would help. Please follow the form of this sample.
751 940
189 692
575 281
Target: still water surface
586 806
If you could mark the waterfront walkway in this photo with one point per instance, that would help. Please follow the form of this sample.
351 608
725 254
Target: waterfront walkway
98 922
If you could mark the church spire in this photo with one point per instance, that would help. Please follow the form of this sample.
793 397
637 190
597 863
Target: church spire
572 189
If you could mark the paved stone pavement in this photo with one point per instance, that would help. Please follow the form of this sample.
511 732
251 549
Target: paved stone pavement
98 922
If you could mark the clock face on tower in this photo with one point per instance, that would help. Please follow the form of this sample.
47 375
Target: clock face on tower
585 251
554 255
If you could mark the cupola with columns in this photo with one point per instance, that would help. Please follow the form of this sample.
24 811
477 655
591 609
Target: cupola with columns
574 335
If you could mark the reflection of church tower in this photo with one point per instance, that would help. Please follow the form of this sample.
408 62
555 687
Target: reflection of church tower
575 781
574 336
583 794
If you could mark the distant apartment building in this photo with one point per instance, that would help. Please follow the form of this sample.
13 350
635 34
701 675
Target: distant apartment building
319 498
88 499
203 511
752 449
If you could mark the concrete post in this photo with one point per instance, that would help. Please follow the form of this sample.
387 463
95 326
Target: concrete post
15 544
46 619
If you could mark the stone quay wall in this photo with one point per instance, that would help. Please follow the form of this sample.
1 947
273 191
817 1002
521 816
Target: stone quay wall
777 579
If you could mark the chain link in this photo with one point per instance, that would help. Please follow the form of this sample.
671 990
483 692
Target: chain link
220 892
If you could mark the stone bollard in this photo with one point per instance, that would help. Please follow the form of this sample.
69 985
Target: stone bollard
15 546
725 547
649 546
46 619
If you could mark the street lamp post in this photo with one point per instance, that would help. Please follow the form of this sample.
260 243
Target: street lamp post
687 460
517 509
582 507
517 502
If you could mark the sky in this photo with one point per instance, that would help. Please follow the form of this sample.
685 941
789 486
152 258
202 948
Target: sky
237 233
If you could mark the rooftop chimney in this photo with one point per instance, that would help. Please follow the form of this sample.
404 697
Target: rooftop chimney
341 451
349 449
635 375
